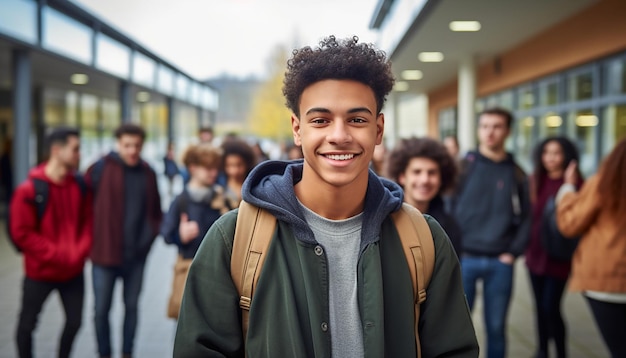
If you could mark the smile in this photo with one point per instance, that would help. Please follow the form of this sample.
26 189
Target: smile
339 156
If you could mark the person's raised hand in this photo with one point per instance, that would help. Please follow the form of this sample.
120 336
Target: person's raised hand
187 230
571 173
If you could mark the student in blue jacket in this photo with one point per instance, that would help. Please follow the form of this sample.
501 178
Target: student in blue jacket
192 213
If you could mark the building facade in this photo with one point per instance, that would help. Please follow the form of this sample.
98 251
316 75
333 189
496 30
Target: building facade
61 65
559 66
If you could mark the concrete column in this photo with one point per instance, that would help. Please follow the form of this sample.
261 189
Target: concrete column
126 102
169 102
200 115
22 107
466 114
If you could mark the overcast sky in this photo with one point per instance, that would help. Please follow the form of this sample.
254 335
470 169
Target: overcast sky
207 38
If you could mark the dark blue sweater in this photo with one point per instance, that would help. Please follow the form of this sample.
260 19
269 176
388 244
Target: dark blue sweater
485 206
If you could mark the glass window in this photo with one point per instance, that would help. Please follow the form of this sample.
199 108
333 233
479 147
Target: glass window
506 100
616 76
492 101
144 70
153 119
548 93
209 99
112 56
524 142
89 141
182 87
18 18
447 122
480 105
66 36
580 86
526 98
582 130
550 125
166 80
614 127
194 96
186 121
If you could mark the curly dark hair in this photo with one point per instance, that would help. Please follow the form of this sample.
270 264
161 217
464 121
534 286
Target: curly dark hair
570 153
337 59
425 147
240 148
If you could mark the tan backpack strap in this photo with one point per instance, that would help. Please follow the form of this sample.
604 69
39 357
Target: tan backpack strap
253 233
419 249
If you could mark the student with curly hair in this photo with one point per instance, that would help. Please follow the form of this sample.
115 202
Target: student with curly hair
238 160
425 170
334 282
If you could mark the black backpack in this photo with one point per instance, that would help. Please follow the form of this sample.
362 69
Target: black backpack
40 201
557 246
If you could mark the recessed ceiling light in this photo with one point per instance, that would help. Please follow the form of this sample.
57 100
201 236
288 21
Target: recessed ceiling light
587 120
143 96
464 26
412 75
79 79
430 56
401 86
554 121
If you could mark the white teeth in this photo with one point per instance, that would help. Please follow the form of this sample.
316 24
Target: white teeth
340 156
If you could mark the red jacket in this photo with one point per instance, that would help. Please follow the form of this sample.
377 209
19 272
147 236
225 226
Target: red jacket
55 248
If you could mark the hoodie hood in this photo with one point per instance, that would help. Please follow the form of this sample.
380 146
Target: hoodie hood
270 185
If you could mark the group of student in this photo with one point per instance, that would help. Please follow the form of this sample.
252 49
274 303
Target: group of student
59 219
334 282
494 213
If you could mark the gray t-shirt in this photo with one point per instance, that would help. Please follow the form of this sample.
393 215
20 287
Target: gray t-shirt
341 241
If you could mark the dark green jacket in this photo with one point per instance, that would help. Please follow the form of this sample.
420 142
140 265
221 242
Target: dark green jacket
291 301
290 304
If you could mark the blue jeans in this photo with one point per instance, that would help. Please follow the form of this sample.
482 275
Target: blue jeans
103 284
497 279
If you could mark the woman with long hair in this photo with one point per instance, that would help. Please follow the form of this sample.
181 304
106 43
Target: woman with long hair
548 275
597 213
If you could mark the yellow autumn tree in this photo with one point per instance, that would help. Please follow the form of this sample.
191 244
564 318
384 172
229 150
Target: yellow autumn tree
269 117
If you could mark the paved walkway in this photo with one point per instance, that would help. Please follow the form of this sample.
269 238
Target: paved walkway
156 332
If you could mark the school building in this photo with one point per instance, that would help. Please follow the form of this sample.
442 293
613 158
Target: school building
61 65
559 66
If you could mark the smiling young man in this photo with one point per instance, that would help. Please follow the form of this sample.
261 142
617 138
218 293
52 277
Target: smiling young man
425 170
492 206
335 282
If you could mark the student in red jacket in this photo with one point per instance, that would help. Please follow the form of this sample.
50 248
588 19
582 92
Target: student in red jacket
56 244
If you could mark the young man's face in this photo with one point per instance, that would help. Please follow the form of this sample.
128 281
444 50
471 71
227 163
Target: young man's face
69 153
492 131
129 148
421 180
337 129
203 175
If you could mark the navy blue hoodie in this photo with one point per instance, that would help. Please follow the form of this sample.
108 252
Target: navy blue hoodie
485 208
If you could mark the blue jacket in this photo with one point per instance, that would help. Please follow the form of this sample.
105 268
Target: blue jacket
204 212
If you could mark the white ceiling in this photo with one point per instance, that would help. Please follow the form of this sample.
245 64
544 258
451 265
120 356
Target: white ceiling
505 24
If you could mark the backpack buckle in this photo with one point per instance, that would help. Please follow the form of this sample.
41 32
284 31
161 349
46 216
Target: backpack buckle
244 303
